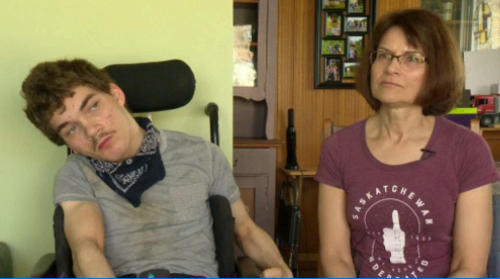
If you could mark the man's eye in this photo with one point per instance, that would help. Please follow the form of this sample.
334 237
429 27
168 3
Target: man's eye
94 106
71 130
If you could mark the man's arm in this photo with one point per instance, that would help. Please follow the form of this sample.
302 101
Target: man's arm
472 233
257 244
334 233
84 229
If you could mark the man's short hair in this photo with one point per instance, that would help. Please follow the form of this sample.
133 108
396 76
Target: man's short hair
445 76
49 83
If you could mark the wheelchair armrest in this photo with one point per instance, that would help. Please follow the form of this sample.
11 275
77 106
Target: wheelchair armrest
44 267
5 261
247 268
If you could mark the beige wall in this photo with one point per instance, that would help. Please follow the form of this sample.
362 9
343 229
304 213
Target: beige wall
104 32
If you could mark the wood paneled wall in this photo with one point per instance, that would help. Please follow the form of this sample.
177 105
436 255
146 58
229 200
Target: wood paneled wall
295 89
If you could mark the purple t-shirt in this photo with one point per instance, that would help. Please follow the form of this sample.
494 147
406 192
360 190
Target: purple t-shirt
401 217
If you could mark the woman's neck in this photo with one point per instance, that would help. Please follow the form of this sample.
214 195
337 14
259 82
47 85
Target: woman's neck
398 124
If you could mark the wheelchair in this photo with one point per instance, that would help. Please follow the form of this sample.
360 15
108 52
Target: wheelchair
289 220
152 87
5 261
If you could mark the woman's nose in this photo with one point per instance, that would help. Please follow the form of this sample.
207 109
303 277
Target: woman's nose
393 66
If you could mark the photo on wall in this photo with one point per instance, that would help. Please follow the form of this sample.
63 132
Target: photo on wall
333 47
334 4
342 29
356 7
333 25
349 71
354 47
333 66
356 24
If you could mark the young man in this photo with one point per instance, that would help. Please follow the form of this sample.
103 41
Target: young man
134 198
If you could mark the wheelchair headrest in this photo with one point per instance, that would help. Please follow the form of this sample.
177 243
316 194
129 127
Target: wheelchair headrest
154 86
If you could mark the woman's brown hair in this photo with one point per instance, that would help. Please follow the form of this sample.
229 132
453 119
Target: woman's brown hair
444 81
49 83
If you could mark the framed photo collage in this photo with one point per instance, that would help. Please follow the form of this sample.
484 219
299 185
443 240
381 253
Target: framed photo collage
342 27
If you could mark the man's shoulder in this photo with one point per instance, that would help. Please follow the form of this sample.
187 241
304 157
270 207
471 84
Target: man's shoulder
175 139
74 162
76 167
180 135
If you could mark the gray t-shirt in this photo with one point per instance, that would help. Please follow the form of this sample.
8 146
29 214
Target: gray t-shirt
172 228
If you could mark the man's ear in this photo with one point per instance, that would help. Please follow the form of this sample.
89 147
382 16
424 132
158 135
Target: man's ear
117 92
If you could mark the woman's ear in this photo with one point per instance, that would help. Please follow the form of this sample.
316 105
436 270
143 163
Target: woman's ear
117 92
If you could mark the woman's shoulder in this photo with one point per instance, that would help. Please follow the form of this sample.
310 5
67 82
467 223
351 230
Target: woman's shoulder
347 134
459 140
454 131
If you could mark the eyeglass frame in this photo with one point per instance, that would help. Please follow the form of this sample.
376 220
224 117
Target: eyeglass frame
395 56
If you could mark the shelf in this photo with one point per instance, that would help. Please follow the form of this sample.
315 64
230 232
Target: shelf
247 1
488 129
249 92
308 172
256 143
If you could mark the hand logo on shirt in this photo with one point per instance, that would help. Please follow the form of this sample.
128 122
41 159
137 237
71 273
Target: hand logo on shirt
395 240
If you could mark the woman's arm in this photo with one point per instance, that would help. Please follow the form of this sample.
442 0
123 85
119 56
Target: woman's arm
334 233
472 233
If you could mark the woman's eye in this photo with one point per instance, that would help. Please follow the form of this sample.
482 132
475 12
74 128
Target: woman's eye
384 56
417 59
412 58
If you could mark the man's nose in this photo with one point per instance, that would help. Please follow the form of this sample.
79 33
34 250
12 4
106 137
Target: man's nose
92 128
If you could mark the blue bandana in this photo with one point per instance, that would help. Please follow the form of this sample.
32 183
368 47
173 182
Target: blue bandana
132 177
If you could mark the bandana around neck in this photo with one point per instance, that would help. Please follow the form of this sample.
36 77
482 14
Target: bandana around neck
135 175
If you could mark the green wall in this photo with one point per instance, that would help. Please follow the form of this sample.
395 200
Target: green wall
104 32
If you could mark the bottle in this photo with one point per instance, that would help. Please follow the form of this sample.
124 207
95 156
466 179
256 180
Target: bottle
291 143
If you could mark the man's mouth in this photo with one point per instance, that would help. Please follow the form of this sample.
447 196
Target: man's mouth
104 142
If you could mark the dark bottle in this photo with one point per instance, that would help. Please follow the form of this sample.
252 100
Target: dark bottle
291 143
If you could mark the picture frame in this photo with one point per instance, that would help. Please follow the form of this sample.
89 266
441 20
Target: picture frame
333 69
356 24
354 47
355 6
333 4
333 24
333 47
349 70
342 30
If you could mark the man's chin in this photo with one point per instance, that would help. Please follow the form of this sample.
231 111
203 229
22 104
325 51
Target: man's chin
112 158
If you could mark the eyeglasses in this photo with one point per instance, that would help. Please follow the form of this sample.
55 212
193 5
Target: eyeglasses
408 62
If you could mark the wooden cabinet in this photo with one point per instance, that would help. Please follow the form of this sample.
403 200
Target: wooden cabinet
492 137
254 107
255 173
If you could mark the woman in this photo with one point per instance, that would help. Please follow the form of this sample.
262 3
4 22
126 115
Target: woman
407 192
